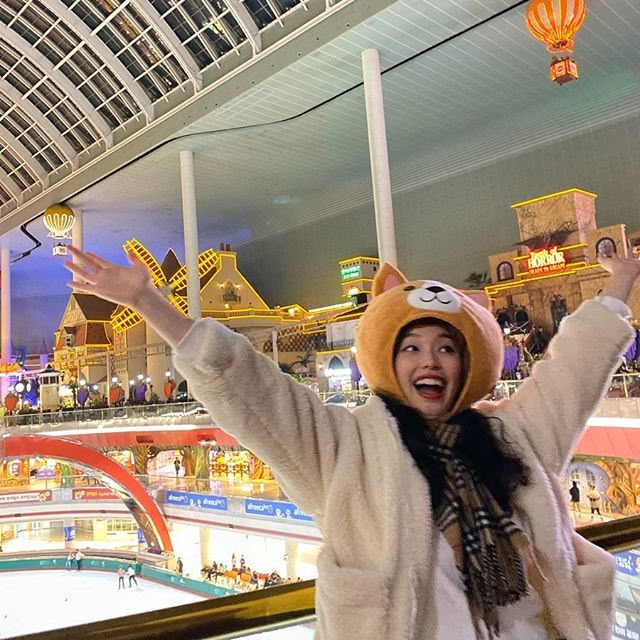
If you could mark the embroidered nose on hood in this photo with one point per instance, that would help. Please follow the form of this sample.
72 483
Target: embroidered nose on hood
397 302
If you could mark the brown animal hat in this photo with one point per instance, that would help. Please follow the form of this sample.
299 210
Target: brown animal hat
397 302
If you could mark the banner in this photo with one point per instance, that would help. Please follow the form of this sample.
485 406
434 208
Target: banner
27 496
69 533
94 493
197 500
628 562
273 509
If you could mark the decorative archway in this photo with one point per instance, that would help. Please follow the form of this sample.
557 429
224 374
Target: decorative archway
142 506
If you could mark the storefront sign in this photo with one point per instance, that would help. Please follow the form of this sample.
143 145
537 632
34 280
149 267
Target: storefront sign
546 261
275 509
27 496
95 493
349 273
197 500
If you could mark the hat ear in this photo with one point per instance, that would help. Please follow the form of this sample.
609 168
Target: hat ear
479 297
386 278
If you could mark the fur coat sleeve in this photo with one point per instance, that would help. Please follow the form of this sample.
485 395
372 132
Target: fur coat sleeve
279 419
567 385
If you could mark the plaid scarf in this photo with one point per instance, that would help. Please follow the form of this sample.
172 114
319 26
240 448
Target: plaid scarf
487 545
485 539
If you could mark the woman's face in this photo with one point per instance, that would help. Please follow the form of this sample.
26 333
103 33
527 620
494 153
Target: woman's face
429 364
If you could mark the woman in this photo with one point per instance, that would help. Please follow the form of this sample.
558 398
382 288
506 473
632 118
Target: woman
442 516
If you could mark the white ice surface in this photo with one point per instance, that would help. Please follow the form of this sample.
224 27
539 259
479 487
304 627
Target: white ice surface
35 601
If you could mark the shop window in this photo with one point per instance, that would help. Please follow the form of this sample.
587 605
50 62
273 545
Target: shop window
505 271
68 340
591 479
575 474
606 246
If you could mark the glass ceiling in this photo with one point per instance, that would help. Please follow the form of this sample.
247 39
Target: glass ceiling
73 72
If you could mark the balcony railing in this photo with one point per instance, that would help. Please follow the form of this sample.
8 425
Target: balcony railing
279 607
623 385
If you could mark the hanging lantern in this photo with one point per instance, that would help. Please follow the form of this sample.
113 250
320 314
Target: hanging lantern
59 220
556 22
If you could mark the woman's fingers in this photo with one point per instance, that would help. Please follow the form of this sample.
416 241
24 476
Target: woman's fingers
84 275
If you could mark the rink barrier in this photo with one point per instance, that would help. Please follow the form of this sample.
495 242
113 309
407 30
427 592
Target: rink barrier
164 576
97 563
59 562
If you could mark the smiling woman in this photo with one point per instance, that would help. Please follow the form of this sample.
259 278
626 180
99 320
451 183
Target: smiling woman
469 525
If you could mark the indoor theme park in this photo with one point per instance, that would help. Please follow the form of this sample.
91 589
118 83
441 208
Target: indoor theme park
320 319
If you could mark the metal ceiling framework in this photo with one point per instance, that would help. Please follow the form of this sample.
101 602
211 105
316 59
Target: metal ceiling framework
76 76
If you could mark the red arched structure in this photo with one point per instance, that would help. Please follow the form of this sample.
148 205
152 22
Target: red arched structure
142 506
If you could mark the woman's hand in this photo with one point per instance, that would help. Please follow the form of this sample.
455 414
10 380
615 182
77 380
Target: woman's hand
131 287
122 285
624 274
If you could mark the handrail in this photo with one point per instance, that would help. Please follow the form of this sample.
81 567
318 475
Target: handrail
292 603
613 535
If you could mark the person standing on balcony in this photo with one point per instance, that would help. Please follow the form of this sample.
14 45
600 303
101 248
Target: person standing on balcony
574 492
442 513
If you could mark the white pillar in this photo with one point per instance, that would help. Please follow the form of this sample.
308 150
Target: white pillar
77 233
380 176
190 224
205 546
5 312
274 345
292 559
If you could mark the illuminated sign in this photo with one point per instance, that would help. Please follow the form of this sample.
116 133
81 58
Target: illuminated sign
546 261
349 273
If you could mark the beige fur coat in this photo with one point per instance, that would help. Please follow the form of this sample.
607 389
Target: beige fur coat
351 471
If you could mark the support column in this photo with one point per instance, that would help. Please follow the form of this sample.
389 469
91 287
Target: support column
205 546
190 224
5 312
291 551
274 345
382 201
77 233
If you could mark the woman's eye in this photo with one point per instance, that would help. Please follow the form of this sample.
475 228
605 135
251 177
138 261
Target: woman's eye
410 347
448 349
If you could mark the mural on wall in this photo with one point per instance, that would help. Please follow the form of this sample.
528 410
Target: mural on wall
618 482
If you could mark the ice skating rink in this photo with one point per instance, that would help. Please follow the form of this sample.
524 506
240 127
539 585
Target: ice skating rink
35 601
40 600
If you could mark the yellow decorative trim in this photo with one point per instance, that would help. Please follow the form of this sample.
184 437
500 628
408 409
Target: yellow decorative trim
327 353
553 195
494 289
358 258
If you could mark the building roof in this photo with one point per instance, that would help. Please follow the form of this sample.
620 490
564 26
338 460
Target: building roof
94 308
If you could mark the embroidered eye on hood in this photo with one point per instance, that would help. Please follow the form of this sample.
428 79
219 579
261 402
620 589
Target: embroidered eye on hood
396 302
